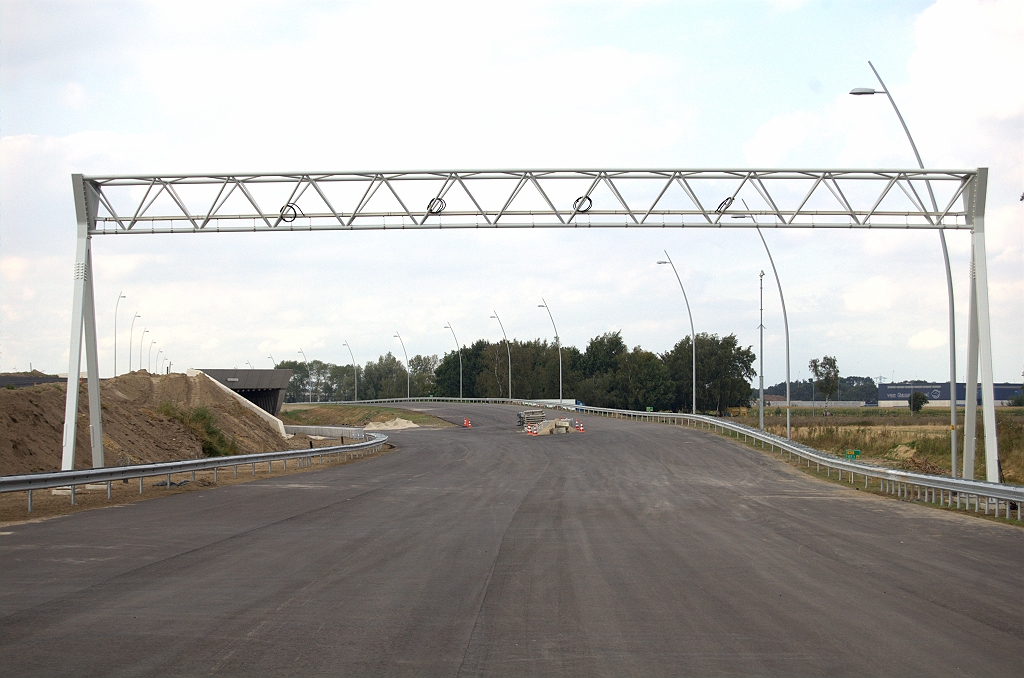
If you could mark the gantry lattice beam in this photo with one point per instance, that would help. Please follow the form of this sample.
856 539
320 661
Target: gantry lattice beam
724 198
892 199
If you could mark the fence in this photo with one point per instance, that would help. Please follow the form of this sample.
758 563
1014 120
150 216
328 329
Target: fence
106 475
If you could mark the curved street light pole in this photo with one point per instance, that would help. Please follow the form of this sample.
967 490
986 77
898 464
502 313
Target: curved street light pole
458 347
945 259
408 370
785 316
693 333
120 296
149 357
142 337
509 350
355 372
156 364
309 375
558 343
131 332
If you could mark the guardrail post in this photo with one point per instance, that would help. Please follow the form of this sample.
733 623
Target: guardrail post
30 501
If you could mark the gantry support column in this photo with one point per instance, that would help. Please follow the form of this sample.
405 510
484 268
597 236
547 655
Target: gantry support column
83 322
980 349
971 387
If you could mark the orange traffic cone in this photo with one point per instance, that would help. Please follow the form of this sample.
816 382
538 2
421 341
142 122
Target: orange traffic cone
579 426
466 423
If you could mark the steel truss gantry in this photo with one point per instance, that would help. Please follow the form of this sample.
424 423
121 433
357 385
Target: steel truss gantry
507 199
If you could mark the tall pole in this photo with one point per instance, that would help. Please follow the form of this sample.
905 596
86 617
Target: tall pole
130 332
142 337
458 347
693 333
355 372
509 350
760 327
558 343
149 357
272 361
120 296
309 375
785 319
408 369
949 274
156 365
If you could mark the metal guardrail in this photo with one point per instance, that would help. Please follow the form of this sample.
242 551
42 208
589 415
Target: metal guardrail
354 432
936 489
109 474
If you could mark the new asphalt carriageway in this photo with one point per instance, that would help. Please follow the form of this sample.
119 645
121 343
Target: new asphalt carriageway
631 549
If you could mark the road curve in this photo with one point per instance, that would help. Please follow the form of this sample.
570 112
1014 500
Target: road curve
632 549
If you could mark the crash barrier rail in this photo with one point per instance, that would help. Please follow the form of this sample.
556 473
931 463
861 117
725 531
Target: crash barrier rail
109 474
352 432
958 492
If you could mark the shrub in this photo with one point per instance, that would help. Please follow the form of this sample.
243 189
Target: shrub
203 424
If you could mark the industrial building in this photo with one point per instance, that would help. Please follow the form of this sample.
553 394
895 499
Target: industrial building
898 395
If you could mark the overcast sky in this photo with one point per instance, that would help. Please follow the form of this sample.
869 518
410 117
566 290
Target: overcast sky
138 87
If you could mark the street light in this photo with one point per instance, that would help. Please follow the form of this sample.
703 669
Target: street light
408 370
458 347
130 332
355 372
693 333
558 343
760 327
149 357
156 365
120 296
141 338
509 350
272 361
785 316
860 91
309 375
246 362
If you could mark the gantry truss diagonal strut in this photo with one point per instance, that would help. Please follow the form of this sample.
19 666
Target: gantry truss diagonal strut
529 199
447 199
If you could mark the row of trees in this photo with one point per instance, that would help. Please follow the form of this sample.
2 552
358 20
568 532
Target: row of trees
607 374
848 388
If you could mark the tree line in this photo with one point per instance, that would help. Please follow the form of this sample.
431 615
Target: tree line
607 373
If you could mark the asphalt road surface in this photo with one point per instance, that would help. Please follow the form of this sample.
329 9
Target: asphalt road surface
632 549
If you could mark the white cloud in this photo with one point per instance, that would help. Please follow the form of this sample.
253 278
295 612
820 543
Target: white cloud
867 296
927 339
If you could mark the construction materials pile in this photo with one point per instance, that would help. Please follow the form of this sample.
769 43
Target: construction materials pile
530 417
554 427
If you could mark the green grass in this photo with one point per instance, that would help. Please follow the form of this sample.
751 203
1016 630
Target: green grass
353 415
203 423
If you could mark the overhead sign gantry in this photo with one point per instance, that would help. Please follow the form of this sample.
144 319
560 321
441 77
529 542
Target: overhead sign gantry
870 199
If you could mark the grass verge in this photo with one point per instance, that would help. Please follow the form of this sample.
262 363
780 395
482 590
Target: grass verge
313 414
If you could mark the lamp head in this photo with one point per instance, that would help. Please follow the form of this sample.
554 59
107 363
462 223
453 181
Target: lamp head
859 91
662 262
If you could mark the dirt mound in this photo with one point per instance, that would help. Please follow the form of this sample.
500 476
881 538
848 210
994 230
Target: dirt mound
134 429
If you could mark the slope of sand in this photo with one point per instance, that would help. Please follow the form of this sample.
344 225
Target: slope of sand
32 423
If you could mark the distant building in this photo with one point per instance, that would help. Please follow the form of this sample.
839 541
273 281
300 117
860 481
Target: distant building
898 395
